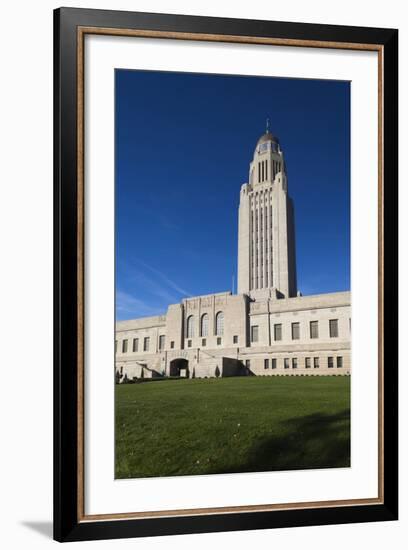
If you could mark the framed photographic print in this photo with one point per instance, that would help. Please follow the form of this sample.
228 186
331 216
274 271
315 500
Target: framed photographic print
225 274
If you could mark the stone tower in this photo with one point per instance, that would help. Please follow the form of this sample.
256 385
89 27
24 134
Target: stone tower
266 238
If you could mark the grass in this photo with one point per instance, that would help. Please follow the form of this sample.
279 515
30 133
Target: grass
190 427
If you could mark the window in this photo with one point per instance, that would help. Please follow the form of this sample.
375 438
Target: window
190 326
294 363
135 344
146 344
339 362
330 362
254 333
172 344
218 341
308 362
204 342
334 328
116 346
274 363
266 363
204 325
235 339
248 363
161 341
189 343
219 323
314 329
277 332
286 363
295 331
124 346
316 362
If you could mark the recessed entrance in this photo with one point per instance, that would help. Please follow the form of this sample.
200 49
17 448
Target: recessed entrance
179 367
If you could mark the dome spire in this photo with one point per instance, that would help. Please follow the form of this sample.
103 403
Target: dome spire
267 125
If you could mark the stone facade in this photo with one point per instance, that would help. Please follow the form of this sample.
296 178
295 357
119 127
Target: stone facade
266 247
268 328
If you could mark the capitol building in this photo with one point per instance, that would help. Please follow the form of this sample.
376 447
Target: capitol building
268 327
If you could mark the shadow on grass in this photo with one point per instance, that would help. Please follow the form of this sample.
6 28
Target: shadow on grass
315 441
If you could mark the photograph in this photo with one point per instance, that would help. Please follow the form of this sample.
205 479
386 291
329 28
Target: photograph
201 256
232 337
225 273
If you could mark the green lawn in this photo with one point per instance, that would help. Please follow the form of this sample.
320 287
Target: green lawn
245 424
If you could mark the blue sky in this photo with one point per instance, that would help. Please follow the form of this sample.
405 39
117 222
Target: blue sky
183 144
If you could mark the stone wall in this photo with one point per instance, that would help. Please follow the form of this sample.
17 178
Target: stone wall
233 351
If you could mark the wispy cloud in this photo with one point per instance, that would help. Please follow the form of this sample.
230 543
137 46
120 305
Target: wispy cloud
145 290
128 304
166 222
149 285
166 279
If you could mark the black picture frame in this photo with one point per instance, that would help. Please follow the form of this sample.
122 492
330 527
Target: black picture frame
68 525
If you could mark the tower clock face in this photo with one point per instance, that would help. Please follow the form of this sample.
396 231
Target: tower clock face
263 147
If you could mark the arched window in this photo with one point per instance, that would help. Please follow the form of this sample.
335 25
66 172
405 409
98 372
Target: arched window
190 326
219 323
204 325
